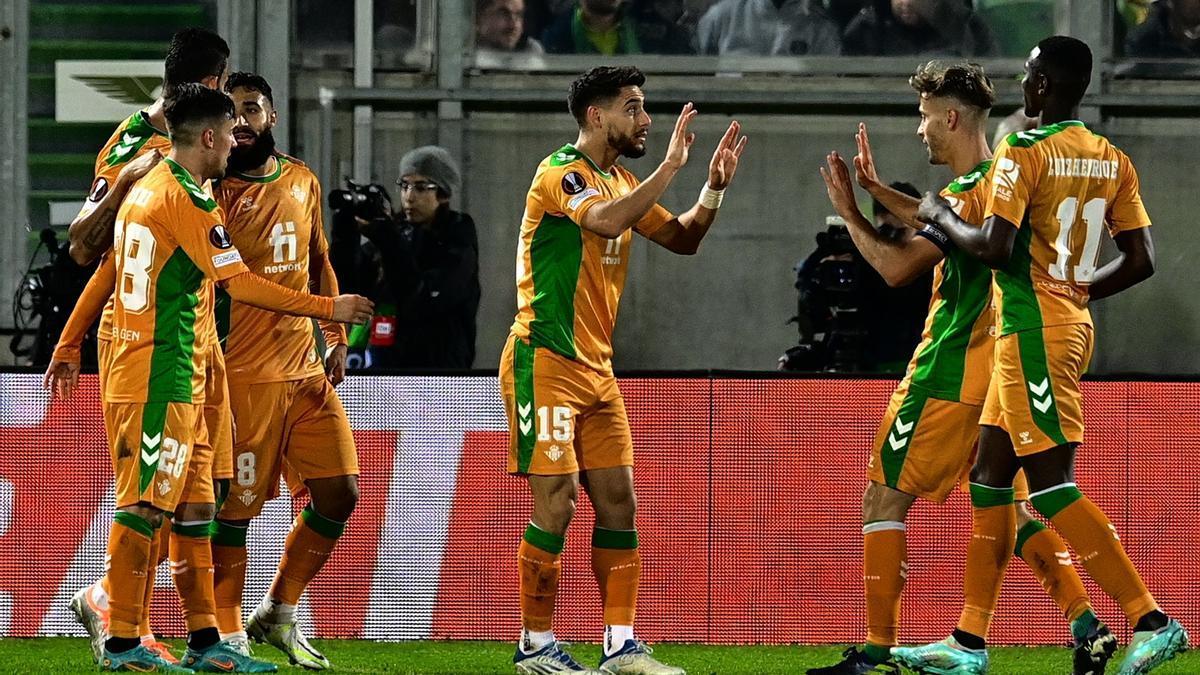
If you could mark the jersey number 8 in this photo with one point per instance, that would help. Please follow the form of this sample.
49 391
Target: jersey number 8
137 259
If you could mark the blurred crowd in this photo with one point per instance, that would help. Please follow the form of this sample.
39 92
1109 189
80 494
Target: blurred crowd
965 28
517 34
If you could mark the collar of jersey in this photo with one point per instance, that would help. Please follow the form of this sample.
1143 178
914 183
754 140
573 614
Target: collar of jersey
274 175
962 184
604 174
1064 124
199 197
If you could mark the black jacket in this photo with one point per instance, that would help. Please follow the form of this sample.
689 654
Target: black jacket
431 275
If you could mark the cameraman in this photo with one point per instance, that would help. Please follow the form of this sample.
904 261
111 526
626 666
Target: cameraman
427 258
849 318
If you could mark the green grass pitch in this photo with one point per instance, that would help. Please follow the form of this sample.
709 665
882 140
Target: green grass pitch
70 655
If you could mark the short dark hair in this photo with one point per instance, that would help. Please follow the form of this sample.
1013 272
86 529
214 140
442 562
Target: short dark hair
251 81
877 207
965 82
193 108
600 84
1066 62
194 54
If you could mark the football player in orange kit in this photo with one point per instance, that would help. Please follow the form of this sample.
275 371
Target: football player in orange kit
1054 190
171 246
288 418
138 144
567 420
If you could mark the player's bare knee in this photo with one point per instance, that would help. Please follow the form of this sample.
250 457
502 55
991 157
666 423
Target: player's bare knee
146 512
617 509
195 512
881 502
554 502
992 475
335 498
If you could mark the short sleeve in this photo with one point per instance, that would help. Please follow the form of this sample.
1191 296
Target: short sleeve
653 221
1127 211
203 237
570 190
106 176
1014 175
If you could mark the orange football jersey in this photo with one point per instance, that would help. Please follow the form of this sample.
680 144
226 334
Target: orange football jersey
133 138
170 245
569 280
275 222
1062 185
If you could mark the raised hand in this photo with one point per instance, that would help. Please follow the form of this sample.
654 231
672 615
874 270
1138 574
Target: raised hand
681 138
838 185
864 161
352 309
61 378
725 158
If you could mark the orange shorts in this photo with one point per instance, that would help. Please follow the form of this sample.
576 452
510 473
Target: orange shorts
218 417
1035 393
160 454
563 417
927 446
924 445
103 354
296 428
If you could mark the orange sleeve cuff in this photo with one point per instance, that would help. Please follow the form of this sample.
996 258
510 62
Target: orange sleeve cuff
253 290
335 333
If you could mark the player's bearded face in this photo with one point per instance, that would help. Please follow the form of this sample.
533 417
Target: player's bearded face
628 127
253 148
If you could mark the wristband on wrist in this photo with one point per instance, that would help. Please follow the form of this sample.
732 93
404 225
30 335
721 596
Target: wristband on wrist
710 198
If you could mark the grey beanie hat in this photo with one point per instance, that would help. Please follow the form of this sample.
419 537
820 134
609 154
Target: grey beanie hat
433 162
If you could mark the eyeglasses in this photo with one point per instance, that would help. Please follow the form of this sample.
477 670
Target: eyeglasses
416 187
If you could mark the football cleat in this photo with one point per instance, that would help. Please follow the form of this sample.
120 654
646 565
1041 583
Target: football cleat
855 662
140 659
93 618
225 658
633 658
1093 651
1150 649
287 638
942 658
163 651
549 659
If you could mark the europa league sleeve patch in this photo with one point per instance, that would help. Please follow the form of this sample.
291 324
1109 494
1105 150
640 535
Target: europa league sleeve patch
99 189
573 183
218 236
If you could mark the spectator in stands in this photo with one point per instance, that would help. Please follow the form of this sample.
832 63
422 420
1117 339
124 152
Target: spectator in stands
429 257
664 26
500 39
924 27
768 28
612 27
1170 31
